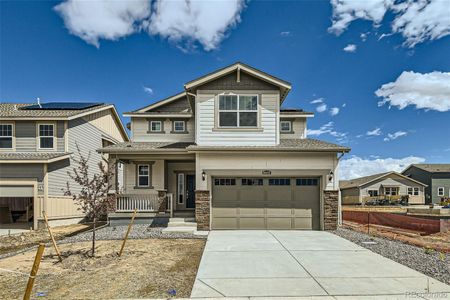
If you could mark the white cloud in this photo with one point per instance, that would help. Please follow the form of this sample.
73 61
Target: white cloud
321 108
364 36
182 22
328 128
350 48
355 166
148 90
375 132
425 91
334 111
394 136
315 101
346 11
285 33
417 21
102 19
344 105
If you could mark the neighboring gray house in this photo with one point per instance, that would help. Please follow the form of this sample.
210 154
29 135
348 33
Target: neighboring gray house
224 152
389 185
435 176
37 147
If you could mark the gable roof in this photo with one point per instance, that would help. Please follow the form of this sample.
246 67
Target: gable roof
15 111
358 182
165 101
433 168
284 86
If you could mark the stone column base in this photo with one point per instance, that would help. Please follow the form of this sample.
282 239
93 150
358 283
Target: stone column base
330 207
202 211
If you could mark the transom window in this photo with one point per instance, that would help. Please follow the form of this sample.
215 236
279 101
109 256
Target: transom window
6 136
46 136
441 191
413 191
279 181
143 175
179 126
238 111
286 126
307 181
224 181
373 193
251 181
155 126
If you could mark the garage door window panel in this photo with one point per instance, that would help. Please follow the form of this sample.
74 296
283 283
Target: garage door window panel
279 181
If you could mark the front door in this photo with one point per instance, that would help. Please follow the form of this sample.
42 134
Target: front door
190 191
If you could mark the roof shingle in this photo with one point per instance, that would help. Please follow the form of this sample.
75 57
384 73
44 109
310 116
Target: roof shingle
13 110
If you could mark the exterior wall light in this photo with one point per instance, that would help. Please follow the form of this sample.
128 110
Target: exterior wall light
330 176
203 175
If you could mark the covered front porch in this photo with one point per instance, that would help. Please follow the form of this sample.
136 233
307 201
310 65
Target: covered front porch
155 185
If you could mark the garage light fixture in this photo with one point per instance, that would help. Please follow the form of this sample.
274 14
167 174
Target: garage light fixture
203 175
330 176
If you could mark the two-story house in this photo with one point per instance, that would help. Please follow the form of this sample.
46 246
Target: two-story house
38 145
224 151
435 176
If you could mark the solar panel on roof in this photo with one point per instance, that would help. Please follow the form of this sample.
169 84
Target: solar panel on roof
62 106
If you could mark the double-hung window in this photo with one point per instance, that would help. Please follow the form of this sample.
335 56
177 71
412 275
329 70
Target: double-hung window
46 136
179 126
143 174
285 126
238 111
441 191
413 191
156 126
6 136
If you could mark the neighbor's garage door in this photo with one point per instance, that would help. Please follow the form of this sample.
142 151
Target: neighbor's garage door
266 203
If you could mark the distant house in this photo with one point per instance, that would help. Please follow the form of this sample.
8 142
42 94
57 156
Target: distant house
38 147
390 185
437 178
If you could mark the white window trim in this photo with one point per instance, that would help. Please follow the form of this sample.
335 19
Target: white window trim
139 176
414 191
39 136
160 126
175 127
443 191
237 111
290 126
410 191
7 136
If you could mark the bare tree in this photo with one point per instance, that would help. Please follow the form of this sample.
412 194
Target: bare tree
93 195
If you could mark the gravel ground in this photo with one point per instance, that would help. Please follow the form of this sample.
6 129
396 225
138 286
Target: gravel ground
431 263
138 231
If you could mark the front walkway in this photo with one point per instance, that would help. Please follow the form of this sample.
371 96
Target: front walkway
302 263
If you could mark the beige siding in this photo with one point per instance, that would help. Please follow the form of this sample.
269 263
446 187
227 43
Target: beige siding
25 132
350 196
298 128
209 135
140 132
280 164
58 207
105 121
157 179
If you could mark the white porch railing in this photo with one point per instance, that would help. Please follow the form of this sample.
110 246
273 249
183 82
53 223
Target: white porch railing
142 203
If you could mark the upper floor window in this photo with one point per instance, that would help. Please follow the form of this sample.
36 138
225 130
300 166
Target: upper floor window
286 126
156 126
46 136
179 126
6 136
238 111
441 191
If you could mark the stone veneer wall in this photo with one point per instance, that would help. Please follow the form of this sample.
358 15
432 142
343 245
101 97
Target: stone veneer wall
330 205
202 210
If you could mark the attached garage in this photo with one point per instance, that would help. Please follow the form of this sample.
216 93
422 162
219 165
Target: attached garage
16 205
266 203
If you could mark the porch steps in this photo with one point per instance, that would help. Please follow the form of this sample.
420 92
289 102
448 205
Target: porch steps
181 225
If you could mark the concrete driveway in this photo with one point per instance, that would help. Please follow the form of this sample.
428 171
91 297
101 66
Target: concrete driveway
303 264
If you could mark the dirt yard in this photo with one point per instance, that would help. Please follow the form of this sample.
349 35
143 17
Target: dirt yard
148 268
28 239
438 241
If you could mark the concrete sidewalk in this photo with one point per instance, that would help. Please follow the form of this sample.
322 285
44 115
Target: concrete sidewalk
304 264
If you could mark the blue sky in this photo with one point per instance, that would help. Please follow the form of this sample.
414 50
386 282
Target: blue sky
49 53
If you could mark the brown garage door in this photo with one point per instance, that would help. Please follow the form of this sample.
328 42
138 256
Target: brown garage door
266 203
